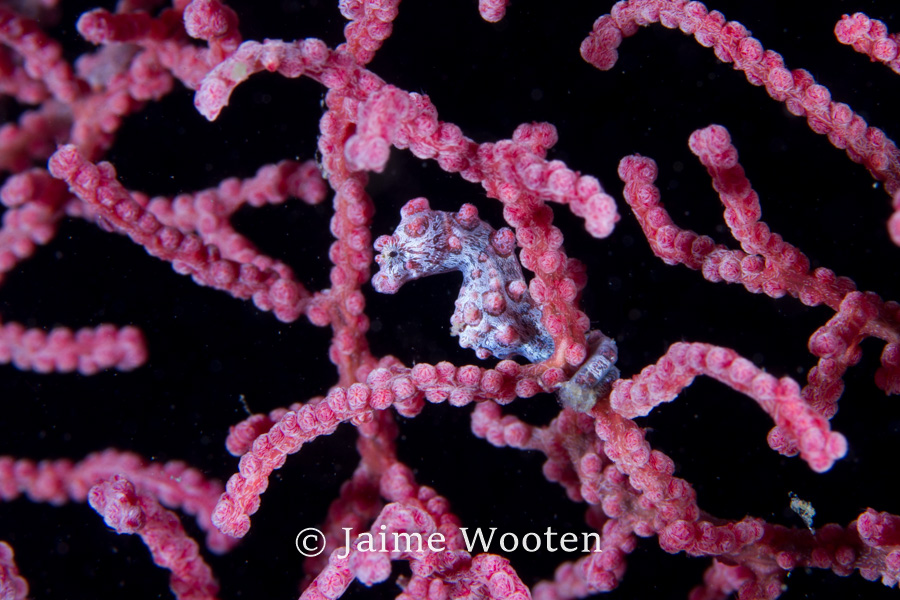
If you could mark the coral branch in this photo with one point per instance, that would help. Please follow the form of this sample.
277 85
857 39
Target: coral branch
799 428
732 43
767 264
370 24
288 59
524 293
97 186
34 201
87 351
125 511
404 389
174 484
869 37
207 213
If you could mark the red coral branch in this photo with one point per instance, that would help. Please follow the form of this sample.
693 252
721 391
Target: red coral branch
74 114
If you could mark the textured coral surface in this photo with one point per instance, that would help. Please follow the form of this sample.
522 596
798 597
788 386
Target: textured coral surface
213 358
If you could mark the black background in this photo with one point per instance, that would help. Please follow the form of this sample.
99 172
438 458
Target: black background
208 351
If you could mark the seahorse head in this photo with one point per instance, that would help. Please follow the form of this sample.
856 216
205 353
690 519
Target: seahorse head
418 247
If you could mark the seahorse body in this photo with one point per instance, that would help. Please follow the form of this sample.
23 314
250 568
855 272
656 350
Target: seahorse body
494 313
